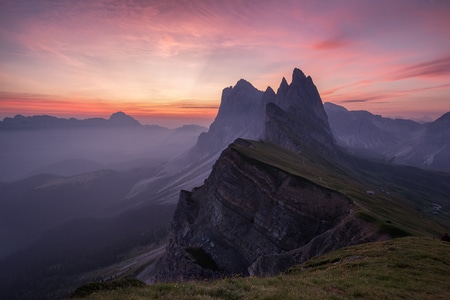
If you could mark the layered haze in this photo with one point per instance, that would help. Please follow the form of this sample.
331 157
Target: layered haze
44 144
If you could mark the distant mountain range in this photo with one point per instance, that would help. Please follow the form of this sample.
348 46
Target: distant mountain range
118 119
392 140
39 144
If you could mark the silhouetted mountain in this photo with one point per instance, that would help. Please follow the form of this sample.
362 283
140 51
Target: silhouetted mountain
39 122
394 140
291 117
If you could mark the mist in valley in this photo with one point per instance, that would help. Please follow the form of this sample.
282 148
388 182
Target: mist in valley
68 151
63 198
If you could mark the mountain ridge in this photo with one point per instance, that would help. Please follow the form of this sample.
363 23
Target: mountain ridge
118 119
398 141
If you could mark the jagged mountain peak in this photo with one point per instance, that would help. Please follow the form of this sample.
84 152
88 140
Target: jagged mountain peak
295 116
299 80
283 86
244 113
269 90
298 76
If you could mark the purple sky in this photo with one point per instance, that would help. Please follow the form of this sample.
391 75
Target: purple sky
166 62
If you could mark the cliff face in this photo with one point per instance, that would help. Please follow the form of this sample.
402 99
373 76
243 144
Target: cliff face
252 218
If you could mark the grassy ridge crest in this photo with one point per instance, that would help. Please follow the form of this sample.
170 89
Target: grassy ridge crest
399 203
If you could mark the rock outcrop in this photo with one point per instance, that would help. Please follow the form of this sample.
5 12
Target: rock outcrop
252 218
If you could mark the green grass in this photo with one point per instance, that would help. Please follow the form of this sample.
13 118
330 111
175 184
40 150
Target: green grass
404 268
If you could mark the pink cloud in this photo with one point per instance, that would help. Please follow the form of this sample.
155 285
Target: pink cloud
127 47
439 67
332 44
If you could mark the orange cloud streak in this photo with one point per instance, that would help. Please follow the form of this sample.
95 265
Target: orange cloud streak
176 112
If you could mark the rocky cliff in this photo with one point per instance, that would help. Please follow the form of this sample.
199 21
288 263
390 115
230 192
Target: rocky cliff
254 218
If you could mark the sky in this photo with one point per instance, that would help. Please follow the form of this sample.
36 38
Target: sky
167 62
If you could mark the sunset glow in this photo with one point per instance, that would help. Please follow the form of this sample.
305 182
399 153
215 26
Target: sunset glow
167 62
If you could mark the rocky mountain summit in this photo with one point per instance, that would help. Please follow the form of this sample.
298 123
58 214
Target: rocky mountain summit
252 217
241 114
295 116
291 117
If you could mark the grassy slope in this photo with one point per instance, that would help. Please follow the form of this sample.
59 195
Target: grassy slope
402 202
404 268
